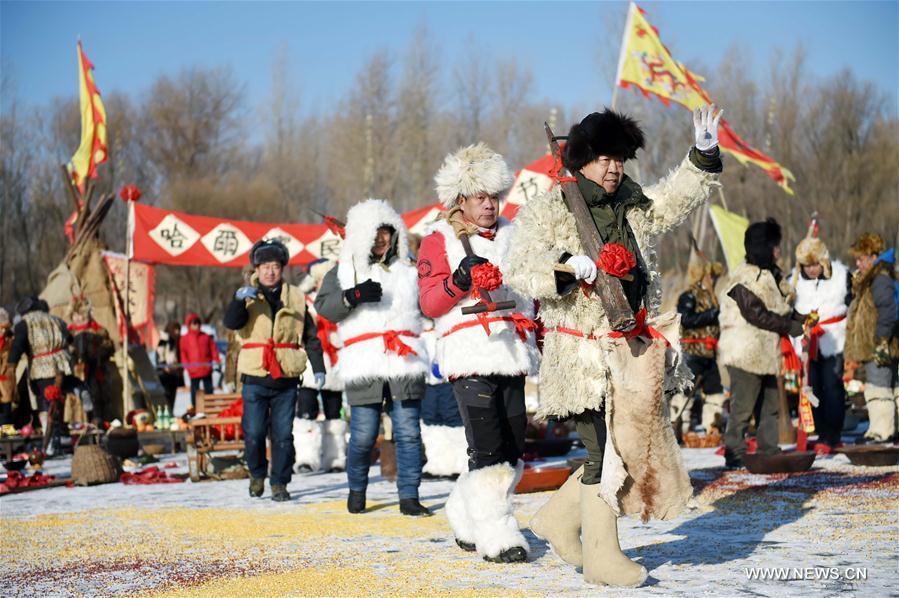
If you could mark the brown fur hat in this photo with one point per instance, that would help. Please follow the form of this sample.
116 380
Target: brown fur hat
867 244
812 250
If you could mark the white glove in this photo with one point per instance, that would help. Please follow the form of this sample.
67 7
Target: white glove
705 121
584 268
319 380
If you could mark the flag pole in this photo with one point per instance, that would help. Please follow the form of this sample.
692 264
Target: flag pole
126 309
621 56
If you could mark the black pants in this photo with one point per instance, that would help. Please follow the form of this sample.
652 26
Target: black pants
195 386
307 403
493 412
171 382
826 379
591 427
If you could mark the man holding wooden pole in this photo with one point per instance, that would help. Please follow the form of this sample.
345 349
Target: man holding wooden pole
604 364
485 346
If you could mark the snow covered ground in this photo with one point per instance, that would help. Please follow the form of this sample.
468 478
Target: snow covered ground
833 523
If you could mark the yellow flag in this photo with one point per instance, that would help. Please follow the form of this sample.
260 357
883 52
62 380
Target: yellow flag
645 63
93 149
731 228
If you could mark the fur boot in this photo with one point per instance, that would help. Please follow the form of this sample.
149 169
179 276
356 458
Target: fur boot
334 445
307 443
487 494
446 450
559 520
457 514
604 563
713 412
881 413
680 409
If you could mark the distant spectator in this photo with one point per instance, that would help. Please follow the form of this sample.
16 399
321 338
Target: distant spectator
198 353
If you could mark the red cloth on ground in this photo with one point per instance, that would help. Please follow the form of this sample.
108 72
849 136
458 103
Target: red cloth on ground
198 351
435 278
150 475
15 479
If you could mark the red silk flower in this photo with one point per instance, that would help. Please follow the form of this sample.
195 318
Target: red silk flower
485 276
129 193
52 393
615 260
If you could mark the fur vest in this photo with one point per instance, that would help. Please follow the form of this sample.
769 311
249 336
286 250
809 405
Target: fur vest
398 312
467 351
47 339
861 329
826 297
741 344
573 372
332 380
286 328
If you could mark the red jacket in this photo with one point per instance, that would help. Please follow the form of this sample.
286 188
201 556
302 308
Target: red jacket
437 293
197 348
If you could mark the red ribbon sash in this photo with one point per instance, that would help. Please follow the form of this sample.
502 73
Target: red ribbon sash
269 358
392 341
641 329
816 332
522 324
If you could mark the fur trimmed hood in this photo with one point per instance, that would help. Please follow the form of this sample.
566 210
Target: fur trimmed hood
469 171
362 223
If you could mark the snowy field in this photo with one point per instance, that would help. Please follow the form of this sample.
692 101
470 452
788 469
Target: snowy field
834 523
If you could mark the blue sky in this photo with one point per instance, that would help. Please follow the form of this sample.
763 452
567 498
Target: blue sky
131 43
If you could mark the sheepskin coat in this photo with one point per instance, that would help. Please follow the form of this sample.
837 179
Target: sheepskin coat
471 351
642 471
364 366
574 374
741 344
827 297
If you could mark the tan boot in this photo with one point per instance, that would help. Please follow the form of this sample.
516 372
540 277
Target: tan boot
559 520
604 563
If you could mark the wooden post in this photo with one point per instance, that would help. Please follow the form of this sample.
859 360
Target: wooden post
126 308
786 433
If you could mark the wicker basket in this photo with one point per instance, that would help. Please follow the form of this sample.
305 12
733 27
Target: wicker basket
91 464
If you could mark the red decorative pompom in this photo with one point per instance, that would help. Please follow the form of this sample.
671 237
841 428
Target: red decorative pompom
485 276
129 193
615 260
52 393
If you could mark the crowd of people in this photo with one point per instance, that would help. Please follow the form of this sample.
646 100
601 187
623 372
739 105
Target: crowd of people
432 340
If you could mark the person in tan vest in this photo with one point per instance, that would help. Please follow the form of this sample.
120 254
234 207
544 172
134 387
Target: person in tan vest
870 333
43 339
277 335
754 316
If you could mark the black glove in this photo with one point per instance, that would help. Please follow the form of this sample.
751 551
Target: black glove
797 324
364 292
462 275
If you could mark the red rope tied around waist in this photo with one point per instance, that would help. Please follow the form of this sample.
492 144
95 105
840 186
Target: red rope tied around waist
269 358
555 176
710 342
522 324
323 330
816 332
391 339
47 353
640 329
484 318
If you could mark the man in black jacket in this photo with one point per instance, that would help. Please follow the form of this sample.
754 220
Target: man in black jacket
277 335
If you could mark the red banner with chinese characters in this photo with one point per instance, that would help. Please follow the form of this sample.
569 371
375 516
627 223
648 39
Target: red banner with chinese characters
168 237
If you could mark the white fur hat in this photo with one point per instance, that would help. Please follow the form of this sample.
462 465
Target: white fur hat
469 171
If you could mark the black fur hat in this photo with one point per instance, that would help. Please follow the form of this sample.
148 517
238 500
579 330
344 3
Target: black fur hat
760 240
602 134
269 251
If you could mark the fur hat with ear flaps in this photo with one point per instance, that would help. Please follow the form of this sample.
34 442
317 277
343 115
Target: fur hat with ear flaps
362 223
604 133
470 171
